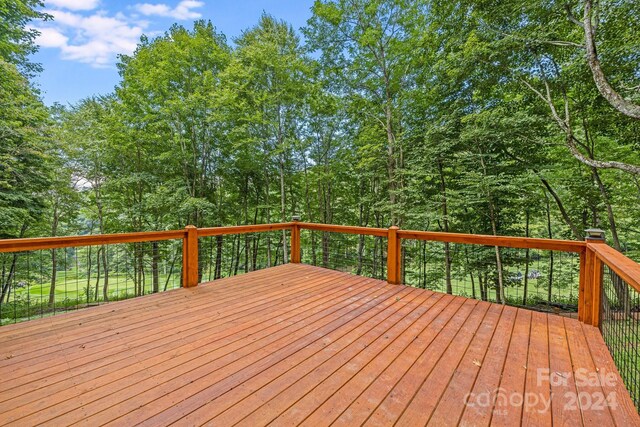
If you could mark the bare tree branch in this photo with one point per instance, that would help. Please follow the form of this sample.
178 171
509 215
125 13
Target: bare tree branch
614 98
571 16
563 43
571 140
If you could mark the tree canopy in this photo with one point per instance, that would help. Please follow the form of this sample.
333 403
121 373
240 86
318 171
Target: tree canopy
495 117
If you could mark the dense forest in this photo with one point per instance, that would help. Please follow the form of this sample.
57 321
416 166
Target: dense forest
503 117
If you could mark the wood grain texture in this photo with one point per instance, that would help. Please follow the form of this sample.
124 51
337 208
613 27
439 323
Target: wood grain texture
624 267
297 344
295 243
394 254
488 240
190 263
37 243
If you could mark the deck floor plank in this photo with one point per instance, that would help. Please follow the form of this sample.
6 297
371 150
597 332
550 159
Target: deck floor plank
450 406
507 411
320 380
400 396
183 352
537 392
433 387
124 310
202 326
203 352
593 410
300 344
240 371
561 380
478 407
334 350
133 319
612 386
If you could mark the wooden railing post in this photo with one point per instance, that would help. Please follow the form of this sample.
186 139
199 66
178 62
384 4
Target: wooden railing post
394 256
190 257
295 240
590 290
597 291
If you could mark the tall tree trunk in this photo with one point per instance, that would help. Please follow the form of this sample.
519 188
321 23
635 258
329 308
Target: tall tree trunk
445 220
482 281
391 138
155 261
246 221
89 265
307 199
105 265
237 257
232 256
551 260
526 261
173 263
567 219
54 277
283 208
494 228
500 290
98 271
610 216
6 286
54 261
268 212
423 279
362 223
218 270
620 287
468 263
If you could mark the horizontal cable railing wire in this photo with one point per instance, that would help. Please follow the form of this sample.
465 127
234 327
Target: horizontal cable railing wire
232 254
363 255
540 279
620 327
45 282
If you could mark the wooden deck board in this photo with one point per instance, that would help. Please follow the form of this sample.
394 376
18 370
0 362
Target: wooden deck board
297 344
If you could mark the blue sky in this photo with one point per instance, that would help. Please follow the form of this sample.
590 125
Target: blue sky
79 47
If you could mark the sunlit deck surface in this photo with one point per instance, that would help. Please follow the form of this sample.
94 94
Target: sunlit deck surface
300 344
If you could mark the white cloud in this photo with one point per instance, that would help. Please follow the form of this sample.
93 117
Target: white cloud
50 37
182 11
73 4
92 36
94 39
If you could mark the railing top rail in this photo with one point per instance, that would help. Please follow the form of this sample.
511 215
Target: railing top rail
37 243
623 266
243 229
29 244
488 240
369 231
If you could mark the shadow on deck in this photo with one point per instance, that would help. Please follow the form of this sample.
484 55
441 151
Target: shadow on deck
300 344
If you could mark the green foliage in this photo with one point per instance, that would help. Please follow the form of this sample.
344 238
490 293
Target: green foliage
24 159
387 111
16 38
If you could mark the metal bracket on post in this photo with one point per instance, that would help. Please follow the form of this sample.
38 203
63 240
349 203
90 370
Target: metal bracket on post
394 255
190 257
295 240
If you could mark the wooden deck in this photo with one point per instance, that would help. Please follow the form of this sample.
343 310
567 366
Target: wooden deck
302 345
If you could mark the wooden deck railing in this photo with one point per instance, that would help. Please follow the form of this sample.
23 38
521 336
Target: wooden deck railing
608 291
615 309
593 254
